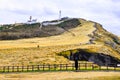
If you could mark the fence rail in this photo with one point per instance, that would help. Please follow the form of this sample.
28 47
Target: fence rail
56 67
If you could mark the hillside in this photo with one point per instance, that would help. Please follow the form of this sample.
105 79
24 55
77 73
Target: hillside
53 44
18 31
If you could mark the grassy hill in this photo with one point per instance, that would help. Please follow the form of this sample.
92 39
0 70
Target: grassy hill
53 43
18 31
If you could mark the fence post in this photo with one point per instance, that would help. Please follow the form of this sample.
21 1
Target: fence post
32 67
12 68
17 68
92 66
79 66
99 67
22 68
49 66
27 67
38 68
107 66
115 66
60 66
85 66
3 68
73 66
8 68
43 67
54 66
66 66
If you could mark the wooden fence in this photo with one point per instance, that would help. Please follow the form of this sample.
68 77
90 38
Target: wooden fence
56 67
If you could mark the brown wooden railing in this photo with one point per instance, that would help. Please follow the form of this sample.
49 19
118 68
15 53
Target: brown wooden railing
56 67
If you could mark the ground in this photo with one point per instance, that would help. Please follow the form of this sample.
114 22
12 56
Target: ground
34 51
27 52
67 75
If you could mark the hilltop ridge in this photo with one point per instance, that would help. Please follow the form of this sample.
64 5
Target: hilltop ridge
49 28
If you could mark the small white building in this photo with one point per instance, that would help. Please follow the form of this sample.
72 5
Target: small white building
45 23
32 21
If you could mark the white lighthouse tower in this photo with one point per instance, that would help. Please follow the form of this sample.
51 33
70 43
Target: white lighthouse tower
60 15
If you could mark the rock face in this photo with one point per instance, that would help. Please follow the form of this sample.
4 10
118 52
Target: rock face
97 58
109 39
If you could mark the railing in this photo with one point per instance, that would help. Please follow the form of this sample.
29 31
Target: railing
56 67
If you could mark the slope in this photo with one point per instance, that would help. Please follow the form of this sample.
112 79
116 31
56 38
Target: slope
85 35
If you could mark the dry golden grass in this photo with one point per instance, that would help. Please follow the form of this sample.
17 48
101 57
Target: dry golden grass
62 76
80 36
34 55
26 52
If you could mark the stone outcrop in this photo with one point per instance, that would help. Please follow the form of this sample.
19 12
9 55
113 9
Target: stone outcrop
97 58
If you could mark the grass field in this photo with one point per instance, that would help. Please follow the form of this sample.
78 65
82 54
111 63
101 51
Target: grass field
27 52
80 36
34 51
69 75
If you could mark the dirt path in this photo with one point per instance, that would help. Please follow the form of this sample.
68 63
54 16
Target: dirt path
69 75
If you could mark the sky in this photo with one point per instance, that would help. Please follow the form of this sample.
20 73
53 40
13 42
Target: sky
105 12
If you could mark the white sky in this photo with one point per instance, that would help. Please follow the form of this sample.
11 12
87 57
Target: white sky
105 12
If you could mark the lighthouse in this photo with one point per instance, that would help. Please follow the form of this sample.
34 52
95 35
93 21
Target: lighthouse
60 15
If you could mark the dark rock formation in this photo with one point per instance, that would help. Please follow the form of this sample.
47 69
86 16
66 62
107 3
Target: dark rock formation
97 58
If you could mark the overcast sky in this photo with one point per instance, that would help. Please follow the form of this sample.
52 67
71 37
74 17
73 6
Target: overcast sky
105 12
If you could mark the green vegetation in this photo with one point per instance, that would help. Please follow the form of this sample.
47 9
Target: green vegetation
20 31
72 23
66 54
18 27
11 32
